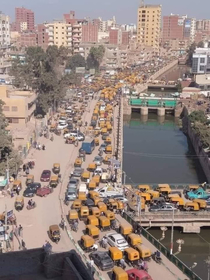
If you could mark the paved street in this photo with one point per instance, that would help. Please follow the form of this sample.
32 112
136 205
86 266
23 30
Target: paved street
49 209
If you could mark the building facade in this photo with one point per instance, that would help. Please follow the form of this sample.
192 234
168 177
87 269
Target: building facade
201 61
42 36
4 30
89 32
190 29
149 25
59 33
172 28
24 19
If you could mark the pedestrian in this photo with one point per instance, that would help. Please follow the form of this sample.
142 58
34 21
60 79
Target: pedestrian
24 167
12 194
17 191
23 244
20 231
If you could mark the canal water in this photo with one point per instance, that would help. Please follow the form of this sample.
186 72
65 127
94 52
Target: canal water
156 151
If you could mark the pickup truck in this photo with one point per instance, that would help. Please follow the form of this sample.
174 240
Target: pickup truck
199 193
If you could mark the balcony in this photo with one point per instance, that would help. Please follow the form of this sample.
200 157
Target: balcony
76 30
69 34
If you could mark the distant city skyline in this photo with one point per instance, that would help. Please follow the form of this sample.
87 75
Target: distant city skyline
124 11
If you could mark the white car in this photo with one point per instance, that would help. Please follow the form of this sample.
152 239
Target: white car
99 171
117 240
62 125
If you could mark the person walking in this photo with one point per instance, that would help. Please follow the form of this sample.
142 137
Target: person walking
20 231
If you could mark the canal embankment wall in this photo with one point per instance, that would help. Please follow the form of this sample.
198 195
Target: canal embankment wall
197 144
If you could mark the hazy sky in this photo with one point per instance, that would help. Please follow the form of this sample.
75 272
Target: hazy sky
124 10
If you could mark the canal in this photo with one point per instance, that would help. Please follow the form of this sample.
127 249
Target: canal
156 151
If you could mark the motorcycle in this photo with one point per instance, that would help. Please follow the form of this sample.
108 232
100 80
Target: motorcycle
29 207
156 259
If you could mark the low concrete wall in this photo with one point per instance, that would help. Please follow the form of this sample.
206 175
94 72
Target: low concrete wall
197 145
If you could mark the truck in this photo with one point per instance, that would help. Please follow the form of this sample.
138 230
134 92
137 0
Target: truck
199 193
88 145
109 191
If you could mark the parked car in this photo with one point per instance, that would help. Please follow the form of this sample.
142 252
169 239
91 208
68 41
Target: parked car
117 240
31 190
120 197
102 260
71 194
163 207
62 125
77 172
45 176
89 203
104 136
73 183
134 274
102 147
98 160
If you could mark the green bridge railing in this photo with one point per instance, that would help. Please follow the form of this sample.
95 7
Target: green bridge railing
153 102
172 186
177 262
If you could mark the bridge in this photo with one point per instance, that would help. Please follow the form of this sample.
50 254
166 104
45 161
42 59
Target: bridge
162 87
190 222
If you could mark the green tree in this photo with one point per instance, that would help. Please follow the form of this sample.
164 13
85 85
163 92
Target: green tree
75 61
198 116
7 153
95 57
190 52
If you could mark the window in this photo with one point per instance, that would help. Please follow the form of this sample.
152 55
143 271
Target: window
202 68
6 108
14 108
202 60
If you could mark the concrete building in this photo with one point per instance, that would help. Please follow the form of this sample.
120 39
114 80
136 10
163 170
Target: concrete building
118 36
203 25
59 34
76 37
24 19
42 36
172 28
178 45
149 24
19 106
189 29
201 60
27 39
89 32
104 25
4 30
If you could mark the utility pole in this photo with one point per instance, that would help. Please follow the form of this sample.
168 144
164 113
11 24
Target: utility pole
5 227
172 234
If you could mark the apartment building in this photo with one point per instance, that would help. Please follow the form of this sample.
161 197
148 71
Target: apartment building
27 39
42 36
189 29
59 34
118 36
201 60
19 106
172 28
76 37
24 20
149 24
4 30
89 32
104 25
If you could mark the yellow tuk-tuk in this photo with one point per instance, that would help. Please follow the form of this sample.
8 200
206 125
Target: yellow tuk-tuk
19 203
73 216
112 204
96 200
52 127
56 168
144 252
131 256
95 211
178 201
104 223
115 254
96 179
96 141
108 140
17 185
92 185
93 194
77 204
134 239
146 196
85 176
110 215
144 188
108 149
164 191
54 181
84 213
191 206
103 130
82 196
92 220
154 194
54 233
92 167
119 274
125 229
193 187
102 206
92 231
87 242
201 202
78 162
29 179
109 128
107 159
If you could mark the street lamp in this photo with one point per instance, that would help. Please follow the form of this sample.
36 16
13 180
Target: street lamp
207 261
163 229
180 242
172 233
